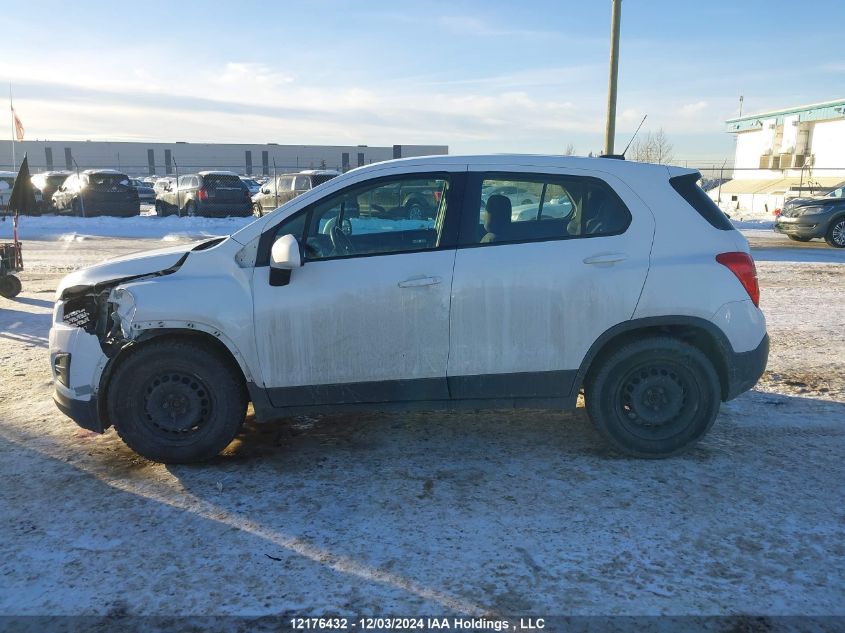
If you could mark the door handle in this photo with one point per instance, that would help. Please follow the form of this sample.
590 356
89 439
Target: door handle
416 282
606 258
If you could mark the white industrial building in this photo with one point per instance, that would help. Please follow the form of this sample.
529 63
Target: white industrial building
783 154
161 159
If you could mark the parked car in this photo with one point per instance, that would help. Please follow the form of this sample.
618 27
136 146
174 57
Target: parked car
97 192
251 184
804 219
208 193
146 193
644 295
7 181
47 183
287 187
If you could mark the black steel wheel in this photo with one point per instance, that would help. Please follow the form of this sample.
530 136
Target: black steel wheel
176 401
654 398
836 234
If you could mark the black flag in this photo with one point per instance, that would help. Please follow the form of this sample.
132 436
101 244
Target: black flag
23 194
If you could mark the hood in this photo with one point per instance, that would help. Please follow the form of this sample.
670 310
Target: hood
155 262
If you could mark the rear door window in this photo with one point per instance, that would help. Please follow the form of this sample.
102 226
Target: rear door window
517 208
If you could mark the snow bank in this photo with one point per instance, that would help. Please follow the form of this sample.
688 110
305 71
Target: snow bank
172 228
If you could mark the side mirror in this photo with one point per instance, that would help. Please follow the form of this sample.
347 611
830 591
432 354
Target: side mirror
284 257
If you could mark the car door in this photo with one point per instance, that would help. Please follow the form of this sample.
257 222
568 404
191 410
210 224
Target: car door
366 317
535 284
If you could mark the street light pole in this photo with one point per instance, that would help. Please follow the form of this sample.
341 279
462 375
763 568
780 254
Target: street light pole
79 180
178 206
610 126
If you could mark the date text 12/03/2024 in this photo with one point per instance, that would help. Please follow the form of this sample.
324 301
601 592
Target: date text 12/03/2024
418 624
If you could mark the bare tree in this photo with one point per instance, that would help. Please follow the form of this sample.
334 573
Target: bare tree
652 148
570 150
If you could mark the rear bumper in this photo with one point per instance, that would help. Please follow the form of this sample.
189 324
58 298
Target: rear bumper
745 368
241 209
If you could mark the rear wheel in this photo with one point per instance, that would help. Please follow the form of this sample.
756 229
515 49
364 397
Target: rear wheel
257 210
176 402
76 208
836 234
654 398
10 286
191 210
798 238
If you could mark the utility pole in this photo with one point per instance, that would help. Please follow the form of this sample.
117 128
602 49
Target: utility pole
610 126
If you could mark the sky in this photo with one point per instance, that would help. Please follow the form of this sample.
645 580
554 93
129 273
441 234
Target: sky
481 77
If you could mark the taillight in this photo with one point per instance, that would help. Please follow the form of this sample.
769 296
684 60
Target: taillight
742 265
202 194
777 212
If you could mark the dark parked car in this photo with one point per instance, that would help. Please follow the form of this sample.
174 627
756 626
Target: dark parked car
803 219
48 183
287 187
97 192
251 184
208 193
146 193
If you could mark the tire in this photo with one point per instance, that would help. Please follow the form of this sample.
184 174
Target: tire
835 235
191 210
416 209
798 238
76 208
10 286
257 210
176 402
654 398
160 212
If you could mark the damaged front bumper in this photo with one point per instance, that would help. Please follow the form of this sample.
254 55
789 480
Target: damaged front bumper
77 361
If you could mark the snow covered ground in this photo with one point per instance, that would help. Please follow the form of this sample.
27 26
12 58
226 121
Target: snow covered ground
508 512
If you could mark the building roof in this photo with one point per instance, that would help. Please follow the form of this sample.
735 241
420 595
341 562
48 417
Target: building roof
778 185
813 112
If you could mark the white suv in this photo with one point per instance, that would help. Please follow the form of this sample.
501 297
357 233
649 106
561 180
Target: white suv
634 287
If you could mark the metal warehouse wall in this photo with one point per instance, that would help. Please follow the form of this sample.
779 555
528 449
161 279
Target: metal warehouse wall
141 159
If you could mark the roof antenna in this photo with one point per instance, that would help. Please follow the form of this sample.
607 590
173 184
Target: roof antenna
634 136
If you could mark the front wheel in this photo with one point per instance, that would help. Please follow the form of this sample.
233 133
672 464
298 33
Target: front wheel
176 401
836 234
654 398
257 210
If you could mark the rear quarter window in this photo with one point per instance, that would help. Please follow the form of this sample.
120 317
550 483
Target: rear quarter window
687 187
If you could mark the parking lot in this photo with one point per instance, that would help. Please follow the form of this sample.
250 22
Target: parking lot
506 512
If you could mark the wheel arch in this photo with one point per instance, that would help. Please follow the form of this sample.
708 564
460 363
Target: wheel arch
700 333
157 335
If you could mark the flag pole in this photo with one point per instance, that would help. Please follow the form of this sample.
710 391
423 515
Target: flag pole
14 131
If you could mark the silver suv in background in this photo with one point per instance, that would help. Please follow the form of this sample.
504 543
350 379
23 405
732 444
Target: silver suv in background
287 187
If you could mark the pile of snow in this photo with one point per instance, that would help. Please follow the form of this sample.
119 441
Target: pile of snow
172 228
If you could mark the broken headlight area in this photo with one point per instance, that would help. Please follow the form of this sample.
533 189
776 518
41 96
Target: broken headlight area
89 312
105 313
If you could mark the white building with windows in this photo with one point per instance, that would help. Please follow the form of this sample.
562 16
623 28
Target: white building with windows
163 159
782 154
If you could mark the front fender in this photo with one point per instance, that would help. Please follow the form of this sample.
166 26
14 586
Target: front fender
220 306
